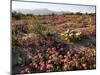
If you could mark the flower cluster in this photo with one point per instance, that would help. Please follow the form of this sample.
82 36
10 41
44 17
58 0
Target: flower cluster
58 59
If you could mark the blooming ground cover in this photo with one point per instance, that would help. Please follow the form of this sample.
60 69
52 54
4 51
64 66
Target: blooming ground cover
58 59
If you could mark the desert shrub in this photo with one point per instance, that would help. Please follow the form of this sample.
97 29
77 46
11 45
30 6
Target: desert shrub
42 30
91 43
17 15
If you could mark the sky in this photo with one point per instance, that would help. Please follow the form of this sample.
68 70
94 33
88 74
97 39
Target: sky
55 7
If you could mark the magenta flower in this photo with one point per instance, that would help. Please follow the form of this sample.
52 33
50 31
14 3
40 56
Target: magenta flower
94 65
49 61
22 71
84 66
54 48
49 66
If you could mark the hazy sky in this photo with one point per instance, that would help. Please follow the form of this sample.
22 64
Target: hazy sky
56 7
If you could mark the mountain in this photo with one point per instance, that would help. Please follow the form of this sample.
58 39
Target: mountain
39 11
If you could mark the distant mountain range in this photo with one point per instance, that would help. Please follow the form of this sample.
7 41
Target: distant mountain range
40 11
